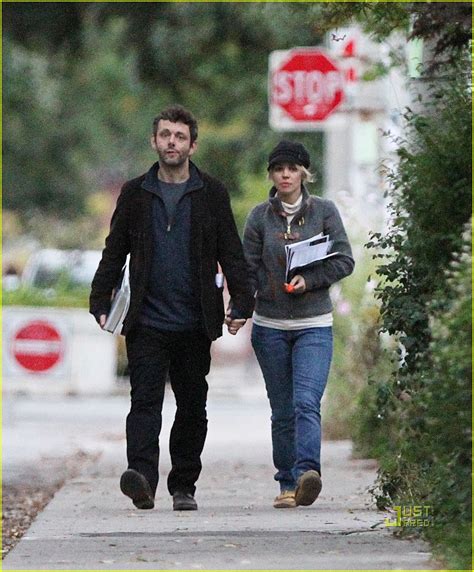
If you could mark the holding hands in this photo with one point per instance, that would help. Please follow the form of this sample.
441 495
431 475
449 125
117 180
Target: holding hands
297 285
233 325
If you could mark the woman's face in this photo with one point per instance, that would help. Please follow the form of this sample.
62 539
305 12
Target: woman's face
287 180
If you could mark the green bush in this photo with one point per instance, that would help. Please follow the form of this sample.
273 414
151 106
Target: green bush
417 421
447 416
424 442
431 201
59 297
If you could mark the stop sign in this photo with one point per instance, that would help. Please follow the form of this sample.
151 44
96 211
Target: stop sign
305 84
38 346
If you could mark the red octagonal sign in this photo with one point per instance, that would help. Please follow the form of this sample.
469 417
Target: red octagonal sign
308 86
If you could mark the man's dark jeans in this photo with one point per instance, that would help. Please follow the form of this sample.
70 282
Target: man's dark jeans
186 356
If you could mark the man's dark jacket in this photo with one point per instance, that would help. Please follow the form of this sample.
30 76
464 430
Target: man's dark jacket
214 238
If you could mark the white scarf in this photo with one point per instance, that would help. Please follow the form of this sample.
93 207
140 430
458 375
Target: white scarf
291 210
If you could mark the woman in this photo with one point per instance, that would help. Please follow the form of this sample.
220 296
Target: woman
292 323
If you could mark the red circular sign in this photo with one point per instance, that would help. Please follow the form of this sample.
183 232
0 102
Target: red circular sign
308 86
38 346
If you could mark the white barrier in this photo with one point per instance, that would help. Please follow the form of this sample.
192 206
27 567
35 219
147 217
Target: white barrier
56 351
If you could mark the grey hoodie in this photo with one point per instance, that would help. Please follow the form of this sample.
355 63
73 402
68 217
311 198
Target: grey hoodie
265 236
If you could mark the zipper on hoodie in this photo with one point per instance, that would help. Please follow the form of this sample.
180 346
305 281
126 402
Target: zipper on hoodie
287 234
170 220
288 229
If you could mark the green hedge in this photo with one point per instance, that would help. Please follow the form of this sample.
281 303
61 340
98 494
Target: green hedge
56 298
417 421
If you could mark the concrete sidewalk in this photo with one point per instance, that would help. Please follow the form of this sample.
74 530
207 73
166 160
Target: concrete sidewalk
90 525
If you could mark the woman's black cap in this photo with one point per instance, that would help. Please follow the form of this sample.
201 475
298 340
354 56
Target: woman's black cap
289 152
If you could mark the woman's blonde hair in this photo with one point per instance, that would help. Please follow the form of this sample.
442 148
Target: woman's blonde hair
306 175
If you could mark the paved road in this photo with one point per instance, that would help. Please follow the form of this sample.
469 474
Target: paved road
90 525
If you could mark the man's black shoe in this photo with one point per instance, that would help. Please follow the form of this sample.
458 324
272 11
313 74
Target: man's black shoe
134 485
184 501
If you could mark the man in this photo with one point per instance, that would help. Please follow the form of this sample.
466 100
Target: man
176 222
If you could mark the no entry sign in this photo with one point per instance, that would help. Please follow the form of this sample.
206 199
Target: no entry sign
305 88
38 346
56 351
37 343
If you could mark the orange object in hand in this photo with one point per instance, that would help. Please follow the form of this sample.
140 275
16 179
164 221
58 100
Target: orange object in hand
289 288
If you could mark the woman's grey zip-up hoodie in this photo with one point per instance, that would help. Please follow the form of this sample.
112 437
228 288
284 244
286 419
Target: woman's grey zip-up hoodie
265 236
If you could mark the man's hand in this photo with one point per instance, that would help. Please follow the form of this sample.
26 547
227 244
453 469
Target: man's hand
233 325
297 285
102 320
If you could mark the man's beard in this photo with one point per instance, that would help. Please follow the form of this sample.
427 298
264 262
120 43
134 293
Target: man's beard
175 160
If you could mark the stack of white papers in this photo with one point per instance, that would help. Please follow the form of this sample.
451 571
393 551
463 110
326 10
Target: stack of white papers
306 252
120 303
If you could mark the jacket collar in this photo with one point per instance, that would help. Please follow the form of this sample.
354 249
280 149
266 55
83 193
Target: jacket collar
151 183
278 207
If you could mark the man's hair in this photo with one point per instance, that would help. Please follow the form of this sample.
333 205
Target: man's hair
177 113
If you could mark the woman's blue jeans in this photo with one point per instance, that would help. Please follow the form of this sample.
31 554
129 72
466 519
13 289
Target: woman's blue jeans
295 365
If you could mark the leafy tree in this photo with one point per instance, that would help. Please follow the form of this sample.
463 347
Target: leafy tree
37 171
431 201
111 110
113 67
446 25
72 126
44 28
